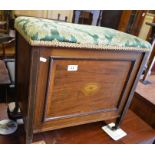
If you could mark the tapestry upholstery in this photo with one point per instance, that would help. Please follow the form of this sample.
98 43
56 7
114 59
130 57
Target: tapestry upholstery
44 32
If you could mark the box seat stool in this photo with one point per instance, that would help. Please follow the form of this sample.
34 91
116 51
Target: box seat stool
70 74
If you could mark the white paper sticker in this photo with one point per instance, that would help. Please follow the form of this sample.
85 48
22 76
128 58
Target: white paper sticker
72 68
114 134
43 59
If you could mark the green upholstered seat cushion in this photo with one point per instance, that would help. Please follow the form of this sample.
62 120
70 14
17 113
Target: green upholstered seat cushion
38 31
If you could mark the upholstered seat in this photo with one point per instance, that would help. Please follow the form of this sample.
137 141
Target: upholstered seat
44 32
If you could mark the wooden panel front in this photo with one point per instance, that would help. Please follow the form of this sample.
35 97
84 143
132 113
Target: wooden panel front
85 91
62 101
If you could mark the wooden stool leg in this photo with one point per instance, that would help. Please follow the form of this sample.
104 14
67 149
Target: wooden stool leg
29 137
117 123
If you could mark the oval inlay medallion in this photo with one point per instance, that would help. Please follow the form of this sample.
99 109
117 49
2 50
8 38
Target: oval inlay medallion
90 89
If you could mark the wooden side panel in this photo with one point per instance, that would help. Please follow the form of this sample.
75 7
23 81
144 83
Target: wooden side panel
27 59
23 59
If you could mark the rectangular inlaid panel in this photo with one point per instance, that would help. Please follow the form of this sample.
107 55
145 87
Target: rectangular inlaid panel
84 86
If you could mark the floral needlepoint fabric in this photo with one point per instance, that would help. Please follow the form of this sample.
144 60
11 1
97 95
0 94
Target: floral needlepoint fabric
38 31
